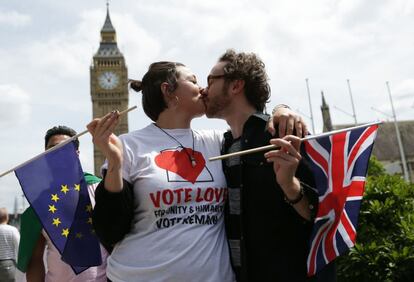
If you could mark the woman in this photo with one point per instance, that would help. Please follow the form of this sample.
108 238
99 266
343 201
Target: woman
159 178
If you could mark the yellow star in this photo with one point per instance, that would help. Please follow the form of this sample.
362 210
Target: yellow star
88 208
55 197
77 187
90 220
52 208
56 221
79 235
65 232
64 189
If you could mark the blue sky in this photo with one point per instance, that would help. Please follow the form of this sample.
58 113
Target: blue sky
47 47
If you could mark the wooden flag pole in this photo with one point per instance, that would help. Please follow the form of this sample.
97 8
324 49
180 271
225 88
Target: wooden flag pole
57 146
310 137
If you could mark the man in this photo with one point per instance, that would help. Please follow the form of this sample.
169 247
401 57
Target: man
271 204
36 241
9 244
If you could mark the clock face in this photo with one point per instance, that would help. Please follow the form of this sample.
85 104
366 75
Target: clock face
108 80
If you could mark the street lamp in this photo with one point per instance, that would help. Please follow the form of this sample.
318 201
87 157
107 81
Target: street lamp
397 131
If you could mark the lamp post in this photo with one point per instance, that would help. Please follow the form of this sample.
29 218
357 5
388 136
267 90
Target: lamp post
310 106
352 101
397 131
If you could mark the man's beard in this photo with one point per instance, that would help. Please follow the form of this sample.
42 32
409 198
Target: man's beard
215 107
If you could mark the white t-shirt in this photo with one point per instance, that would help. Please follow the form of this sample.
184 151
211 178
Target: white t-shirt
178 228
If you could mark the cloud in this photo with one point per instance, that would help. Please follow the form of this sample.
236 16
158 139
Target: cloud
67 53
14 19
14 106
405 90
403 97
71 50
139 46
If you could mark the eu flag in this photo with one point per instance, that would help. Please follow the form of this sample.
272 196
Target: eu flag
55 187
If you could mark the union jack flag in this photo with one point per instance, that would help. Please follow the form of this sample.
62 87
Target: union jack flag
339 163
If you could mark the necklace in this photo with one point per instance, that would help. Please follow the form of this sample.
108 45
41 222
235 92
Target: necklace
190 156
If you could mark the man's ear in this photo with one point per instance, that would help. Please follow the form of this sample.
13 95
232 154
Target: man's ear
237 86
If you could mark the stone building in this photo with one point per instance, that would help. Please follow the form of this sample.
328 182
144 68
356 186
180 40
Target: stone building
108 82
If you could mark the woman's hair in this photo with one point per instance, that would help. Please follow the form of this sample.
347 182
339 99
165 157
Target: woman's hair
250 68
152 97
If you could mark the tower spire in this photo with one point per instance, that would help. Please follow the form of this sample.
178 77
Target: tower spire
326 115
108 45
107 27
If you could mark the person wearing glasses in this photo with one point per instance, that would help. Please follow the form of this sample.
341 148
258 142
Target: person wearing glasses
271 203
160 205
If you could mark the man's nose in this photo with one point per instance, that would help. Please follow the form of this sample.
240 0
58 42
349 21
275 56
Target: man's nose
204 92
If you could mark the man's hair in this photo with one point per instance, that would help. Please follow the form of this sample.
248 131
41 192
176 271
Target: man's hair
153 101
61 130
4 215
250 68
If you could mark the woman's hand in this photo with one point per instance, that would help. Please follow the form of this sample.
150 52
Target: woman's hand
287 121
103 137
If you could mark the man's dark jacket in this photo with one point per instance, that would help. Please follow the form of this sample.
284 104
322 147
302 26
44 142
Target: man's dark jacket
274 237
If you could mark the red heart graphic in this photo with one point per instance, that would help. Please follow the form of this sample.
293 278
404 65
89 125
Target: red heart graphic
180 163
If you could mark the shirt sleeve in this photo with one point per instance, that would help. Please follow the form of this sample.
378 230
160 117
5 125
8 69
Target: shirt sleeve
113 213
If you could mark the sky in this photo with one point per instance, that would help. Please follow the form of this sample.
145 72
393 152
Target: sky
47 47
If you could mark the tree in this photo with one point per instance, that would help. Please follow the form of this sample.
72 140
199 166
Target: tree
385 240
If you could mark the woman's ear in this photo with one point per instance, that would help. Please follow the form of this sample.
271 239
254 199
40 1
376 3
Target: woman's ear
169 98
165 88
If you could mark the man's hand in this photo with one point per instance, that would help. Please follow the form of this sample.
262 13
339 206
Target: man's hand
288 121
285 161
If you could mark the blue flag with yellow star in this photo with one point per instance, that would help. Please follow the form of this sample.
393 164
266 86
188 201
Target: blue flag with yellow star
55 187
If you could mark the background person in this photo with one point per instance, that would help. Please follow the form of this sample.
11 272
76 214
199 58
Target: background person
36 240
9 244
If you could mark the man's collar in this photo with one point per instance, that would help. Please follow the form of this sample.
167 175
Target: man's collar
261 115
256 116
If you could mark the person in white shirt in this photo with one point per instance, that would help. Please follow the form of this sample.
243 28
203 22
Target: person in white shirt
9 245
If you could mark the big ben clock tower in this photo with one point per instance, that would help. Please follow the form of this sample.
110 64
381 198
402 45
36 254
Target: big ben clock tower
109 83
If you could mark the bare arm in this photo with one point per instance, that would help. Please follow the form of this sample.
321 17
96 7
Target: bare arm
110 145
36 268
